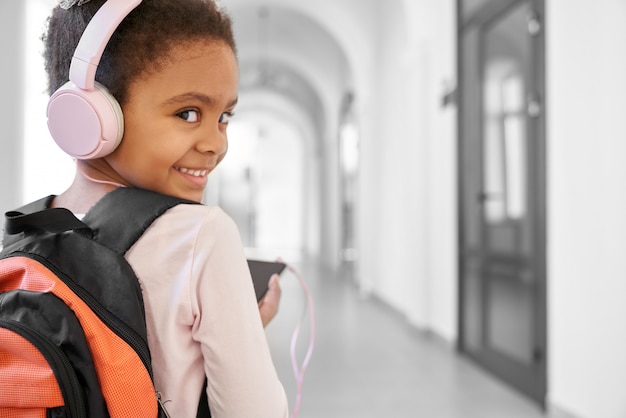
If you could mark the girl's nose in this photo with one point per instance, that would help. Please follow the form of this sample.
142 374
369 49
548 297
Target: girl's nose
213 141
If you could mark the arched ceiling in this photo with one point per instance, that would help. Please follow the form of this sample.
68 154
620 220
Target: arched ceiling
311 52
286 52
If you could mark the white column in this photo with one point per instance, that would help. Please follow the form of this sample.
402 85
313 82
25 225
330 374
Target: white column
586 93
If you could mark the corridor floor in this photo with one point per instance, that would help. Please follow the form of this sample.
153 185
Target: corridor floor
369 363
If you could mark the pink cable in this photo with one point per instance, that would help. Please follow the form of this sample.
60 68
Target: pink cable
88 177
299 371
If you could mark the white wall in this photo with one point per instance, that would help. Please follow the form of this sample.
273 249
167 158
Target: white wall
586 79
34 165
46 168
409 203
11 50
437 22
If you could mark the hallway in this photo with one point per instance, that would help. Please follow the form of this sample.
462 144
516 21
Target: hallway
368 362
348 145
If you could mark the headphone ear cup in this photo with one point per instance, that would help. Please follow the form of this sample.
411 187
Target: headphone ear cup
86 124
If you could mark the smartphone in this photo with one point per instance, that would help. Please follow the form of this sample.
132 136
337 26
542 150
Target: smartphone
261 271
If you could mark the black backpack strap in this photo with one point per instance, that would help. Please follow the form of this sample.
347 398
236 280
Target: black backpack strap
36 216
53 220
37 205
124 214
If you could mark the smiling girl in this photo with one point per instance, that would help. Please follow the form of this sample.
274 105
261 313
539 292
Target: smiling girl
172 66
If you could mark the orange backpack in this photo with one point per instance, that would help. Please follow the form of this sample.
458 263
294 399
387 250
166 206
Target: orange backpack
72 326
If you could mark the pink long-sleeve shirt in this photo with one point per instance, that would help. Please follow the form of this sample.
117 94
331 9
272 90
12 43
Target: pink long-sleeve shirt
202 317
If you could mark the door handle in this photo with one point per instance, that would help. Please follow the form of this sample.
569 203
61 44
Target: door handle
483 197
534 24
533 105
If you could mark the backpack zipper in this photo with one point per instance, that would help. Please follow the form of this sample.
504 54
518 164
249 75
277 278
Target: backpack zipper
162 406
60 364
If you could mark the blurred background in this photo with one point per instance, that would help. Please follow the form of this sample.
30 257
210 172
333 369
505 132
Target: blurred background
448 176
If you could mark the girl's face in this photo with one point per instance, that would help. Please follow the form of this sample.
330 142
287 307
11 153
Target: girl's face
175 121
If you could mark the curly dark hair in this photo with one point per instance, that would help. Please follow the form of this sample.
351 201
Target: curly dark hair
140 45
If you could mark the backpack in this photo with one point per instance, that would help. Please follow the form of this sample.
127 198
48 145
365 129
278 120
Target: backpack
72 322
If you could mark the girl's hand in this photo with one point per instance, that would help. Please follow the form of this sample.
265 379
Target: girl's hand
268 306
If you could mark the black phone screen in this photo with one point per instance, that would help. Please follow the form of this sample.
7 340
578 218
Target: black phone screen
261 271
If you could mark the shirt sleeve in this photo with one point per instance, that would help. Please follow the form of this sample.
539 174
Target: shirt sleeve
202 317
242 380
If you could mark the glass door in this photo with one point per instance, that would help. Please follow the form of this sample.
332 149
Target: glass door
502 182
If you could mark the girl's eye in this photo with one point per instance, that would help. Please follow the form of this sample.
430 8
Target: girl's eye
225 117
189 115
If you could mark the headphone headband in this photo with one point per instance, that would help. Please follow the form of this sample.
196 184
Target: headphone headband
95 38
84 119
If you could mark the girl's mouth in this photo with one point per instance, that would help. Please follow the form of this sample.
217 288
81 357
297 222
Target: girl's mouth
192 172
196 177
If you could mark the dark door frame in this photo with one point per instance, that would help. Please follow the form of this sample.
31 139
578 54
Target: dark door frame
538 125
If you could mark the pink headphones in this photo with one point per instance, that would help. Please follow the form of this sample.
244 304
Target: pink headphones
84 119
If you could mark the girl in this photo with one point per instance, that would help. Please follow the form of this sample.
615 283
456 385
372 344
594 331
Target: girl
172 67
